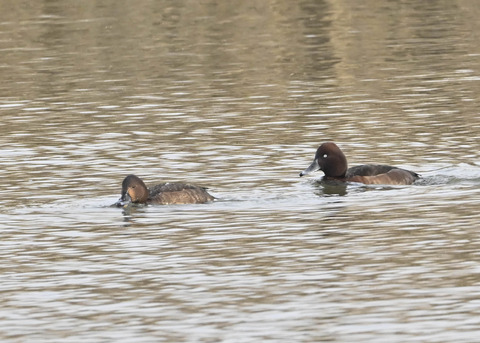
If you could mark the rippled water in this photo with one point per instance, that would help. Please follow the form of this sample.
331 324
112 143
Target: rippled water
236 97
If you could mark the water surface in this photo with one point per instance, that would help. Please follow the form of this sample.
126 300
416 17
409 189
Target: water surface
236 97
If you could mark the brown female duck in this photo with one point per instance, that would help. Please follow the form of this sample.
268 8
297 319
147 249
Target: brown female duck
135 191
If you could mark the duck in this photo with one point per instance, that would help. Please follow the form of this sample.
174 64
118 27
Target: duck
135 191
331 160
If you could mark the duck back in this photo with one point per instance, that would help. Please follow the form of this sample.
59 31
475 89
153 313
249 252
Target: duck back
178 193
380 174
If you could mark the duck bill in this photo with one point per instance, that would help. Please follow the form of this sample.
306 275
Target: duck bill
124 200
311 168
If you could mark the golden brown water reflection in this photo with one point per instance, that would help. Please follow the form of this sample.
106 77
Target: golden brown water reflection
236 96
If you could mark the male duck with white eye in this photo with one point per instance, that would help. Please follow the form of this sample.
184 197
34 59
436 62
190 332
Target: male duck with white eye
331 160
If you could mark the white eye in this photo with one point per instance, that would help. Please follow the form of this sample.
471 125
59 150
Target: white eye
324 156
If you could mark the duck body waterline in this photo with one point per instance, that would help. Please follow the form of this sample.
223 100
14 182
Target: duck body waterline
331 160
135 191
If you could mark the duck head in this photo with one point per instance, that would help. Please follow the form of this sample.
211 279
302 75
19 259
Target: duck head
329 159
134 190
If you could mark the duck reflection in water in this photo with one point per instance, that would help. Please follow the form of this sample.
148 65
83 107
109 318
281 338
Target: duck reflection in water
330 187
